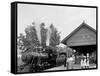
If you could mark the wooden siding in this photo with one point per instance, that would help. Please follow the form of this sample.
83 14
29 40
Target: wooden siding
84 36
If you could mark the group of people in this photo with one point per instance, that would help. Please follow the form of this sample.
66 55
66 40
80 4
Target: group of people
85 61
70 62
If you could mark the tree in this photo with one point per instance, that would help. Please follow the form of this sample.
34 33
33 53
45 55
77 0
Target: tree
21 42
31 36
30 39
55 36
43 35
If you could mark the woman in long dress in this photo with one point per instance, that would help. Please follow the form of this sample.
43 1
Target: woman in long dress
87 62
82 61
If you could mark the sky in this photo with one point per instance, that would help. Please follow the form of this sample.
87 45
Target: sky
65 19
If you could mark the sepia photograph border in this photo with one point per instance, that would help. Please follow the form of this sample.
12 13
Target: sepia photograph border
14 25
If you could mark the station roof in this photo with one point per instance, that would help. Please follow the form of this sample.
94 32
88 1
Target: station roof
78 32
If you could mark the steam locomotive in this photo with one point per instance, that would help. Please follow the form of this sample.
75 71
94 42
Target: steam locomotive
40 60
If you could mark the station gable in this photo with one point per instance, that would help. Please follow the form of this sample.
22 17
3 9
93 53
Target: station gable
83 35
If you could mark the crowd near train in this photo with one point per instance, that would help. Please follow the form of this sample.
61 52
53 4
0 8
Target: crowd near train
41 59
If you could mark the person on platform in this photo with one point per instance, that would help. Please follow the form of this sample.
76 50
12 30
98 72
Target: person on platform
83 61
70 62
85 64
87 60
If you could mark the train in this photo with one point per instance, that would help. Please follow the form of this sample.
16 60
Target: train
42 59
